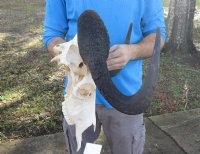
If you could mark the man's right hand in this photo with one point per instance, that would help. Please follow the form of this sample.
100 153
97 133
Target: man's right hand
53 43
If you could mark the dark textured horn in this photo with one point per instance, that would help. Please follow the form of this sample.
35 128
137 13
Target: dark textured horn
93 44
127 41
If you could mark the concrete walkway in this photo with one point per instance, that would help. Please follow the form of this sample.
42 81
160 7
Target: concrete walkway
174 133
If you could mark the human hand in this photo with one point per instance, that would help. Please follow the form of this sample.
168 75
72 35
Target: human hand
52 45
119 56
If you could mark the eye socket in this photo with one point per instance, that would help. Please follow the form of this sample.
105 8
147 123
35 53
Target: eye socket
81 65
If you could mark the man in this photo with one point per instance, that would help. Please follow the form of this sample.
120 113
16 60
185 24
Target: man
125 133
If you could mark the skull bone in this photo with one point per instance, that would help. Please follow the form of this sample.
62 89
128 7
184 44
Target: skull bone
79 103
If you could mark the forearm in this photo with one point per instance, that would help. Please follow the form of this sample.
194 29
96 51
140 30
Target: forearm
144 49
53 43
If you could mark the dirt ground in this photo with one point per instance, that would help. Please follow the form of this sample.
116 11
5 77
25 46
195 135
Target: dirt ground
31 88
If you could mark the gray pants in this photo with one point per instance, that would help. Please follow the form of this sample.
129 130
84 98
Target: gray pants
125 133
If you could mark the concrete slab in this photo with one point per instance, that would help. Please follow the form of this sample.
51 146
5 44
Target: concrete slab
183 127
157 142
48 144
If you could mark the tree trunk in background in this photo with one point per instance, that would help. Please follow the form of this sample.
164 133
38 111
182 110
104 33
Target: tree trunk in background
180 26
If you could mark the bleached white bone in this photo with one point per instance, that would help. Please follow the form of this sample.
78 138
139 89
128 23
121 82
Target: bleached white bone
79 103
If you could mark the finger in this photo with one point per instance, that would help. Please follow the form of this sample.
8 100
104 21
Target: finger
114 61
113 48
115 67
115 54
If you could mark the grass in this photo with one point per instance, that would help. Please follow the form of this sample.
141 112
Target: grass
31 88
177 88
198 3
166 3
30 97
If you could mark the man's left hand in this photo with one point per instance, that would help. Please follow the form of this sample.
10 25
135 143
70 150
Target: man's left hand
119 56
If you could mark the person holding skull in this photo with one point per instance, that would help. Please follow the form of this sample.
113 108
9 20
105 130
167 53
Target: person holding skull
125 133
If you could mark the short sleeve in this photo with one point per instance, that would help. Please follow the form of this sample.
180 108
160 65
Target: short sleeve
153 17
55 22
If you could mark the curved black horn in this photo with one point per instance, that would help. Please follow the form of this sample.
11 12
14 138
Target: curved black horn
127 41
93 41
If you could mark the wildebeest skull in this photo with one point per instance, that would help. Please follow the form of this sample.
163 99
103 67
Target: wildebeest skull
79 103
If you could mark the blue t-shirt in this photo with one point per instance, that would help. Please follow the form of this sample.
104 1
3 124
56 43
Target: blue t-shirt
146 15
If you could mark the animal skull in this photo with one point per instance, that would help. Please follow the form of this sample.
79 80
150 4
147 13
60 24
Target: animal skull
79 103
